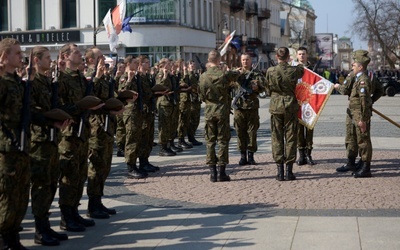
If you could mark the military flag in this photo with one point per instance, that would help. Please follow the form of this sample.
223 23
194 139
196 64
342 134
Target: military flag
312 92
118 15
224 46
111 33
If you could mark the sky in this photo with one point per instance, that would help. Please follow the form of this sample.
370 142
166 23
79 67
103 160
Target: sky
336 17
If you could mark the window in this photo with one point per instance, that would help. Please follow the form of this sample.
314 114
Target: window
103 6
3 15
34 14
68 11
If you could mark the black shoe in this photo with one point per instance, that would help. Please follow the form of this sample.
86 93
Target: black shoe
183 144
213 175
45 239
71 226
111 211
222 176
243 158
280 173
148 168
364 171
289 173
58 236
120 153
302 157
84 222
165 151
250 158
176 149
134 172
98 214
195 142
349 166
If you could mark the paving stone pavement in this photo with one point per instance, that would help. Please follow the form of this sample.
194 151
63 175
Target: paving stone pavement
179 208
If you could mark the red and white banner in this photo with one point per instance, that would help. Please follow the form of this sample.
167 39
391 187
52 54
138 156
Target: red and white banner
312 92
224 46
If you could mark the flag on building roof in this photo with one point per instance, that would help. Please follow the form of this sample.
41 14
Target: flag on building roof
111 33
126 27
118 15
226 43
312 92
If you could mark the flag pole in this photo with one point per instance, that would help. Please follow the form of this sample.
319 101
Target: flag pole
94 23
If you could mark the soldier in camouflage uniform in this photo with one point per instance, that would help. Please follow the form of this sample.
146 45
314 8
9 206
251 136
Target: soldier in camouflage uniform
146 143
44 149
165 109
184 106
246 118
175 78
195 105
304 135
133 118
214 90
358 118
101 142
281 83
14 161
120 130
74 144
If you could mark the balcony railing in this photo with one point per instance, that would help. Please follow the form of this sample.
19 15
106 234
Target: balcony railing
237 5
264 13
251 8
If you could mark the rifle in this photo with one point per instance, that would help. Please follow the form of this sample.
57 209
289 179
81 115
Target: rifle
243 89
140 91
111 87
202 66
89 90
54 101
26 114
317 64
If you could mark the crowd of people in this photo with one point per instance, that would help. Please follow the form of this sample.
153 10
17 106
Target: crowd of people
60 119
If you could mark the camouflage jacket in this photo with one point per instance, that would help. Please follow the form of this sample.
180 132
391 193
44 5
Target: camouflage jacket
164 100
281 83
360 101
250 100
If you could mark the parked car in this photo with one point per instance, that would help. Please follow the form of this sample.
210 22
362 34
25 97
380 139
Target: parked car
390 85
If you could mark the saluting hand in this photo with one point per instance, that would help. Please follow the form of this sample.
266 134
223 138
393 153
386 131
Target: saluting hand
363 126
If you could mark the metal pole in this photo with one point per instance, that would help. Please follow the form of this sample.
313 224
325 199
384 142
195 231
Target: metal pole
94 23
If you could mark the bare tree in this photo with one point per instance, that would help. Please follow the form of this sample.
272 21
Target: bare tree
379 21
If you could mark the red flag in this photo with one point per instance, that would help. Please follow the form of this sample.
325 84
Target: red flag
312 92
118 15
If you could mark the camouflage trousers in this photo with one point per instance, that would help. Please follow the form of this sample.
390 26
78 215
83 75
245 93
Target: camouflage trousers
284 137
174 122
357 142
74 170
165 124
146 143
217 130
100 156
14 189
183 118
194 118
304 137
247 122
45 173
120 132
133 124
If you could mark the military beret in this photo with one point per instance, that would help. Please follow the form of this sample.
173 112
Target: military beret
159 88
126 94
113 104
88 102
364 60
359 52
57 115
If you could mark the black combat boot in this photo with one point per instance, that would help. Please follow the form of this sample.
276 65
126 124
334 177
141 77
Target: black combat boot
213 171
302 160
145 166
175 148
358 165
68 221
81 220
12 241
120 152
165 151
349 166
309 159
54 234
289 173
111 211
193 140
250 158
281 172
183 144
133 172
243 158
42 233
222 176
364 171
94 208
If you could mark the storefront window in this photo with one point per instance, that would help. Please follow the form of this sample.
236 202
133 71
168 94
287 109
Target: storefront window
153 11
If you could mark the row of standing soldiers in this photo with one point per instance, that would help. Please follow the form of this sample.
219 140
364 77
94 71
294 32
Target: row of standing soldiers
60 132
